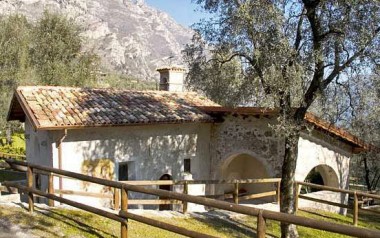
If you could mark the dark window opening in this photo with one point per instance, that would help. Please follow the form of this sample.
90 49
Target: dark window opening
123 172
187 165
163 207
164 84
37 180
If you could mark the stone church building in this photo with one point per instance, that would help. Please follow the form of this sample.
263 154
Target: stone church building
145 135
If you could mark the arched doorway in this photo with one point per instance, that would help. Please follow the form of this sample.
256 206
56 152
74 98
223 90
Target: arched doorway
245 166
322 175
163 207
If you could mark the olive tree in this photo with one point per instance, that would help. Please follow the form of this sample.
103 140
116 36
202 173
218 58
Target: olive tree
47 52
355 105
14 59
284 54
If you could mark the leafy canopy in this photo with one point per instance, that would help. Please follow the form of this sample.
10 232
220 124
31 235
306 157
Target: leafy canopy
281 53
48 52
284 54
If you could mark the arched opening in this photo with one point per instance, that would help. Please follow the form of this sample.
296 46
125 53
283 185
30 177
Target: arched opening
163 207
322 175
245 166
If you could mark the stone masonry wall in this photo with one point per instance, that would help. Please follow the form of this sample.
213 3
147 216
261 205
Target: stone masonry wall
246 135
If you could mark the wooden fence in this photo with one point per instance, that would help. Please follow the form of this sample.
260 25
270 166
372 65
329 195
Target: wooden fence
123 214
236 195
357 195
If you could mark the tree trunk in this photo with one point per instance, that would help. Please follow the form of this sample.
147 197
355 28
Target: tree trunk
366 174
287 195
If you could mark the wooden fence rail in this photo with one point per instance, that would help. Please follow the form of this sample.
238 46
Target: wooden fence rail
235 195
356 194
259 213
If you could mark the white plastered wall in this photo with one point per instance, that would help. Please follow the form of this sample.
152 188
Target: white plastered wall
154 149
38 151
319 150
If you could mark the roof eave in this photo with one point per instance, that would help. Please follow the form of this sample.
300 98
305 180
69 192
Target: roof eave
18 98
54 128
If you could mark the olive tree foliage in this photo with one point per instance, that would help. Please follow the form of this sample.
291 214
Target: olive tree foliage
56 53
283 54
15 65
355 105
48 52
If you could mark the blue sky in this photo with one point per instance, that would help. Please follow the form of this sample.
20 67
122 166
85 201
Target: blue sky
183 11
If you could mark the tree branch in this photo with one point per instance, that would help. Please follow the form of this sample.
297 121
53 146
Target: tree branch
337 70
298 33
331 31
252 61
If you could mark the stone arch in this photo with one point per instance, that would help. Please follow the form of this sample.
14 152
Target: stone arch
231 156
327 174
245 165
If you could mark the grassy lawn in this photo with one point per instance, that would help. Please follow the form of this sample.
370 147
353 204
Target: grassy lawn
60 222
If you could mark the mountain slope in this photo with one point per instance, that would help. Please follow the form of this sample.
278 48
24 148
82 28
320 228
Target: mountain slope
129 36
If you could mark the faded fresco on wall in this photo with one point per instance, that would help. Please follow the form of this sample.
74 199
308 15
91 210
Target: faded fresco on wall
100 168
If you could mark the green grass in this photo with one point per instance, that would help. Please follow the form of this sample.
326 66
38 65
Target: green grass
60 222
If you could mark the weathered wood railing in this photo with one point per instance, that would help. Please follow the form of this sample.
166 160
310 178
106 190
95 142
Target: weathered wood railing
236 195
123 214
356 194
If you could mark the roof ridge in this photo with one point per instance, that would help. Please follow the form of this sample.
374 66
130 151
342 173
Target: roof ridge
47 87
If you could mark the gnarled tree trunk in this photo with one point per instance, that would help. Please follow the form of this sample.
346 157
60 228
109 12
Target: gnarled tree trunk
287 196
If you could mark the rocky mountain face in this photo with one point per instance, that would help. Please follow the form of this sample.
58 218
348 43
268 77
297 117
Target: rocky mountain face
128 35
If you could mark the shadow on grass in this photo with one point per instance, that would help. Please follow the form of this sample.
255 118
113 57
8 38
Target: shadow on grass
326 217
366 216
58 217
222 220
27 222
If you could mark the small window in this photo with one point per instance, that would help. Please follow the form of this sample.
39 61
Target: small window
123 172
187 166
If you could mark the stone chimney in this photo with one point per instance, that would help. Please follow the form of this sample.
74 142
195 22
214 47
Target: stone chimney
172 79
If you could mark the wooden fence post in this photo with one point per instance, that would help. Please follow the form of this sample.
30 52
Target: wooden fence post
185 191
261 226
236 193
355 210
278 192
297 193
116 199
51 189
30 185
124 207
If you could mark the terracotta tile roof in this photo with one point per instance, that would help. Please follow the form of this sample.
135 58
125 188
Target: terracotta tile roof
52 108
64 107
